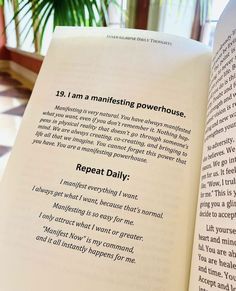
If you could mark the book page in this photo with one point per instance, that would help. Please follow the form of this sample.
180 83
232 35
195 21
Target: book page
101 188
213 263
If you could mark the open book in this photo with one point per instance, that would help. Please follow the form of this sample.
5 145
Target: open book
102 188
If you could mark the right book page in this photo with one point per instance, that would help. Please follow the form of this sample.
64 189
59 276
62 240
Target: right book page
214 251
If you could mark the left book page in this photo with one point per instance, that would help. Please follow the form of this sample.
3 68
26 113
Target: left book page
101 187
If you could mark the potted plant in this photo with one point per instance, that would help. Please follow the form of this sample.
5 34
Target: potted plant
63 12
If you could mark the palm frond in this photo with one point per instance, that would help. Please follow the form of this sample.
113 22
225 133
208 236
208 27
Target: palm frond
63 12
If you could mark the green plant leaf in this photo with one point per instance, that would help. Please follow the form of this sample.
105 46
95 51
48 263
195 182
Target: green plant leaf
64 12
